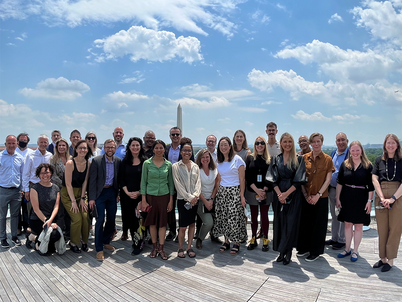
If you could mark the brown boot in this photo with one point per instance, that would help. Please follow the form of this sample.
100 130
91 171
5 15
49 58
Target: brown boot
162 252
154 252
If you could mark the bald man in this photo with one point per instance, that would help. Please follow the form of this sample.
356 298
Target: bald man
118 135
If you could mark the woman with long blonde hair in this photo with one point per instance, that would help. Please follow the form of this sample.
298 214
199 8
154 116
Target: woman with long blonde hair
286 173
257 191
354 193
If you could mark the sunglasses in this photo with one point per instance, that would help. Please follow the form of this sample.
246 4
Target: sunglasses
91 138
259 143
175 134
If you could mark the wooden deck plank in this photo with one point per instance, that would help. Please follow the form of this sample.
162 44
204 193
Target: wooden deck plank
211 276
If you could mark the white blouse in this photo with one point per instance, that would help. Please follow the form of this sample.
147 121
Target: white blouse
208 182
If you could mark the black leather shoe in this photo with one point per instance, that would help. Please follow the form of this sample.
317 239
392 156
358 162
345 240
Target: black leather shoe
280 258
286 261
378 264
330 242
84 247
28 244
74 248
338 246
386 267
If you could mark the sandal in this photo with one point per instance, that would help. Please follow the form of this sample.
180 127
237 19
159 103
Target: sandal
180 253
154 252
225 246
235 249
191 253
354 257
162 253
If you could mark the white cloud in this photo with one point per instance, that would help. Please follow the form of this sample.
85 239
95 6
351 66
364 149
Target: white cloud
316 116
249 123
77 118
259 16
253 109
203 91
7 109
22 37
270 103
381 18
59 88
348 64
214 102
139 77
333 93
128 96
181 15
141 43
224 120
335 18
10 44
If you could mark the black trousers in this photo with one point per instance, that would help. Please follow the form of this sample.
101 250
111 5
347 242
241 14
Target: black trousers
313 227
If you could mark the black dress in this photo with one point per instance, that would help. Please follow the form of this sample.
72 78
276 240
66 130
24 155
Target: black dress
286 216
354 200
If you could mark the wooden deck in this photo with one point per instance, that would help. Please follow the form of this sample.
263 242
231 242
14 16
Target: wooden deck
211 276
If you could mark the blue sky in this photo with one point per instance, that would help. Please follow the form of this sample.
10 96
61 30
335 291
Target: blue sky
325 66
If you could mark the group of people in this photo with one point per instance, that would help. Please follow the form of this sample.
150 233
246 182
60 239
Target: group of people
66 187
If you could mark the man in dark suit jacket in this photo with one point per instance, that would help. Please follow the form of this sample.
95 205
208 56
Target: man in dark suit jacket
56 135
103 192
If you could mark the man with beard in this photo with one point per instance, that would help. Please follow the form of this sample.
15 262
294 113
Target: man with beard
103 192
118 135
149 140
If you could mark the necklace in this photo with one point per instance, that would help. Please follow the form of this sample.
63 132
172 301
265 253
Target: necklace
386 170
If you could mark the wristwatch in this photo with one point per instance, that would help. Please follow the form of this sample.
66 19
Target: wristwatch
319 193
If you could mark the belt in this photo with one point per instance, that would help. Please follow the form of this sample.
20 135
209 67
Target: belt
8 188
356 187
107 187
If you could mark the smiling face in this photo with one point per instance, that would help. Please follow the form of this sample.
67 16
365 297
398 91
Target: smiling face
62 148
45 175
341 142
75 138
211 143
259 146
91 139
186 152
175 135
287 144
159 150
239 138
316 144
42 144
149 139
135 148
110 149
303 142
118 135
224 147
391 146
206 159
82 149
11 144
355 152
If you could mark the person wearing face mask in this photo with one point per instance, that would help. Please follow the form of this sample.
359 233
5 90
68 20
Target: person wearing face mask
23 150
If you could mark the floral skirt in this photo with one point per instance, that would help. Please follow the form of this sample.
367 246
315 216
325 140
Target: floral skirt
230 220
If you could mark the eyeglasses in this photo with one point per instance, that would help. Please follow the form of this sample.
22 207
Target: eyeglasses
211 142
302 141
149 137
260 143
91 138
175 134
110 147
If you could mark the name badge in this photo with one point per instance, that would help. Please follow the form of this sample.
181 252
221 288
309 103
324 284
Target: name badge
259 178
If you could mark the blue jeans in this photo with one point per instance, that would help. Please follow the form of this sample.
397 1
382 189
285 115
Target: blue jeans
105 202
10 197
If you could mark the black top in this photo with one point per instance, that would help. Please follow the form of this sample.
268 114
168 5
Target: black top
130 176
47 198
380 167
253 169
360 177
78 177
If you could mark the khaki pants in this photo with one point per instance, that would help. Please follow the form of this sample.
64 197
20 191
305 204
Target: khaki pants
79 221
389 222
